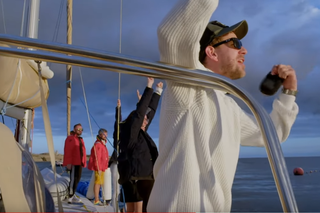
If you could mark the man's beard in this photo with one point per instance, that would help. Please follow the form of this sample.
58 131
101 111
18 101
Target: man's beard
232 71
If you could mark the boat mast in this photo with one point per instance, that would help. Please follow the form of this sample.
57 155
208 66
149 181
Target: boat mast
25 123
34 19
69 67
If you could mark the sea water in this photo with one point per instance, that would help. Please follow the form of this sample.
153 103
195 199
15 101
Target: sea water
254 188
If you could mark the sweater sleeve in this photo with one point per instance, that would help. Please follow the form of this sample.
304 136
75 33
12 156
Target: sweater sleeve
138 116
181 30
98 163
153 105
283 115
92 160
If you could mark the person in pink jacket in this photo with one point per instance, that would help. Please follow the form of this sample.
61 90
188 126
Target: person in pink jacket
98 162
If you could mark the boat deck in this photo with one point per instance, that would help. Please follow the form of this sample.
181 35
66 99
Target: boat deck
86 206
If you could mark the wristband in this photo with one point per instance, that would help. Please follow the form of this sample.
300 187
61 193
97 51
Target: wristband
158 90
289 92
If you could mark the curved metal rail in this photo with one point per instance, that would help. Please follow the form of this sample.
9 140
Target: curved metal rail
85 57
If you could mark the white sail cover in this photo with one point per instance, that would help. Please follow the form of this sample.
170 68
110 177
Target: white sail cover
20 81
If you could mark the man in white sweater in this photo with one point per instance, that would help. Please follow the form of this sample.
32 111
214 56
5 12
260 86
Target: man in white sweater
201 129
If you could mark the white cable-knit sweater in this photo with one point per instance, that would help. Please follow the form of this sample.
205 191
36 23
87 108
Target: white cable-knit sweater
201 129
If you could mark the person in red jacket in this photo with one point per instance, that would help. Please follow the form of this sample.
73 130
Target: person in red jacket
98 162
74 159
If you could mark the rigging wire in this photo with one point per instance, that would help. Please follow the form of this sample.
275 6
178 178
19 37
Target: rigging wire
28 17
86 104
3 18
118 109
57 27
23 17
90 126
96 123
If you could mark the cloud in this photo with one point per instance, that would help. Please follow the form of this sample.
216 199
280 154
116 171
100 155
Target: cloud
293 147
279 32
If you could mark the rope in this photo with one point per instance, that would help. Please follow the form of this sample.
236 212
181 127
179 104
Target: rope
32 128
62 169
24 100
69 67
19 64
48 131
69 25
89 120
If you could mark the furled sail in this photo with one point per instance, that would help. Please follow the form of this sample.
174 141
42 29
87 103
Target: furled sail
19 80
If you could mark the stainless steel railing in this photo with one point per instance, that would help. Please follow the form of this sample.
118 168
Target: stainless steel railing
85 57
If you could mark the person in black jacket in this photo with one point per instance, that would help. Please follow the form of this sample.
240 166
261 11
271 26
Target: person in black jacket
138 152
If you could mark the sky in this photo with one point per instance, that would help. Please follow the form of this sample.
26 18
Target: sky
285 32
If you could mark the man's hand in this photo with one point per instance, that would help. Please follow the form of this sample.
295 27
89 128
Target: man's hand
119 103
150 82
288 74
138 94
69 166
160 85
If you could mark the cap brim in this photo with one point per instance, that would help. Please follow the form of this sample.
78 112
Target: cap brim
240 29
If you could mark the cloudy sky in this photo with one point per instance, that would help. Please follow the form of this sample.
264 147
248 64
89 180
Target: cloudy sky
285 31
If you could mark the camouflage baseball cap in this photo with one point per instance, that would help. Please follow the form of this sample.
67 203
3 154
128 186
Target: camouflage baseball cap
216 29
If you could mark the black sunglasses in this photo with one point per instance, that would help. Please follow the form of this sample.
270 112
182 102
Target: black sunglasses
236 43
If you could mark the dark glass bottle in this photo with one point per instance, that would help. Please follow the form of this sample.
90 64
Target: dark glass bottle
270 84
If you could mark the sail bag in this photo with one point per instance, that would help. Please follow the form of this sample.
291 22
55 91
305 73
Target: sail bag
20 81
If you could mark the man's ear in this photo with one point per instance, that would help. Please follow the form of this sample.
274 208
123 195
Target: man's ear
211 53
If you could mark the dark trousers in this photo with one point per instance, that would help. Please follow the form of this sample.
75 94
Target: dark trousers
75 176
144 189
